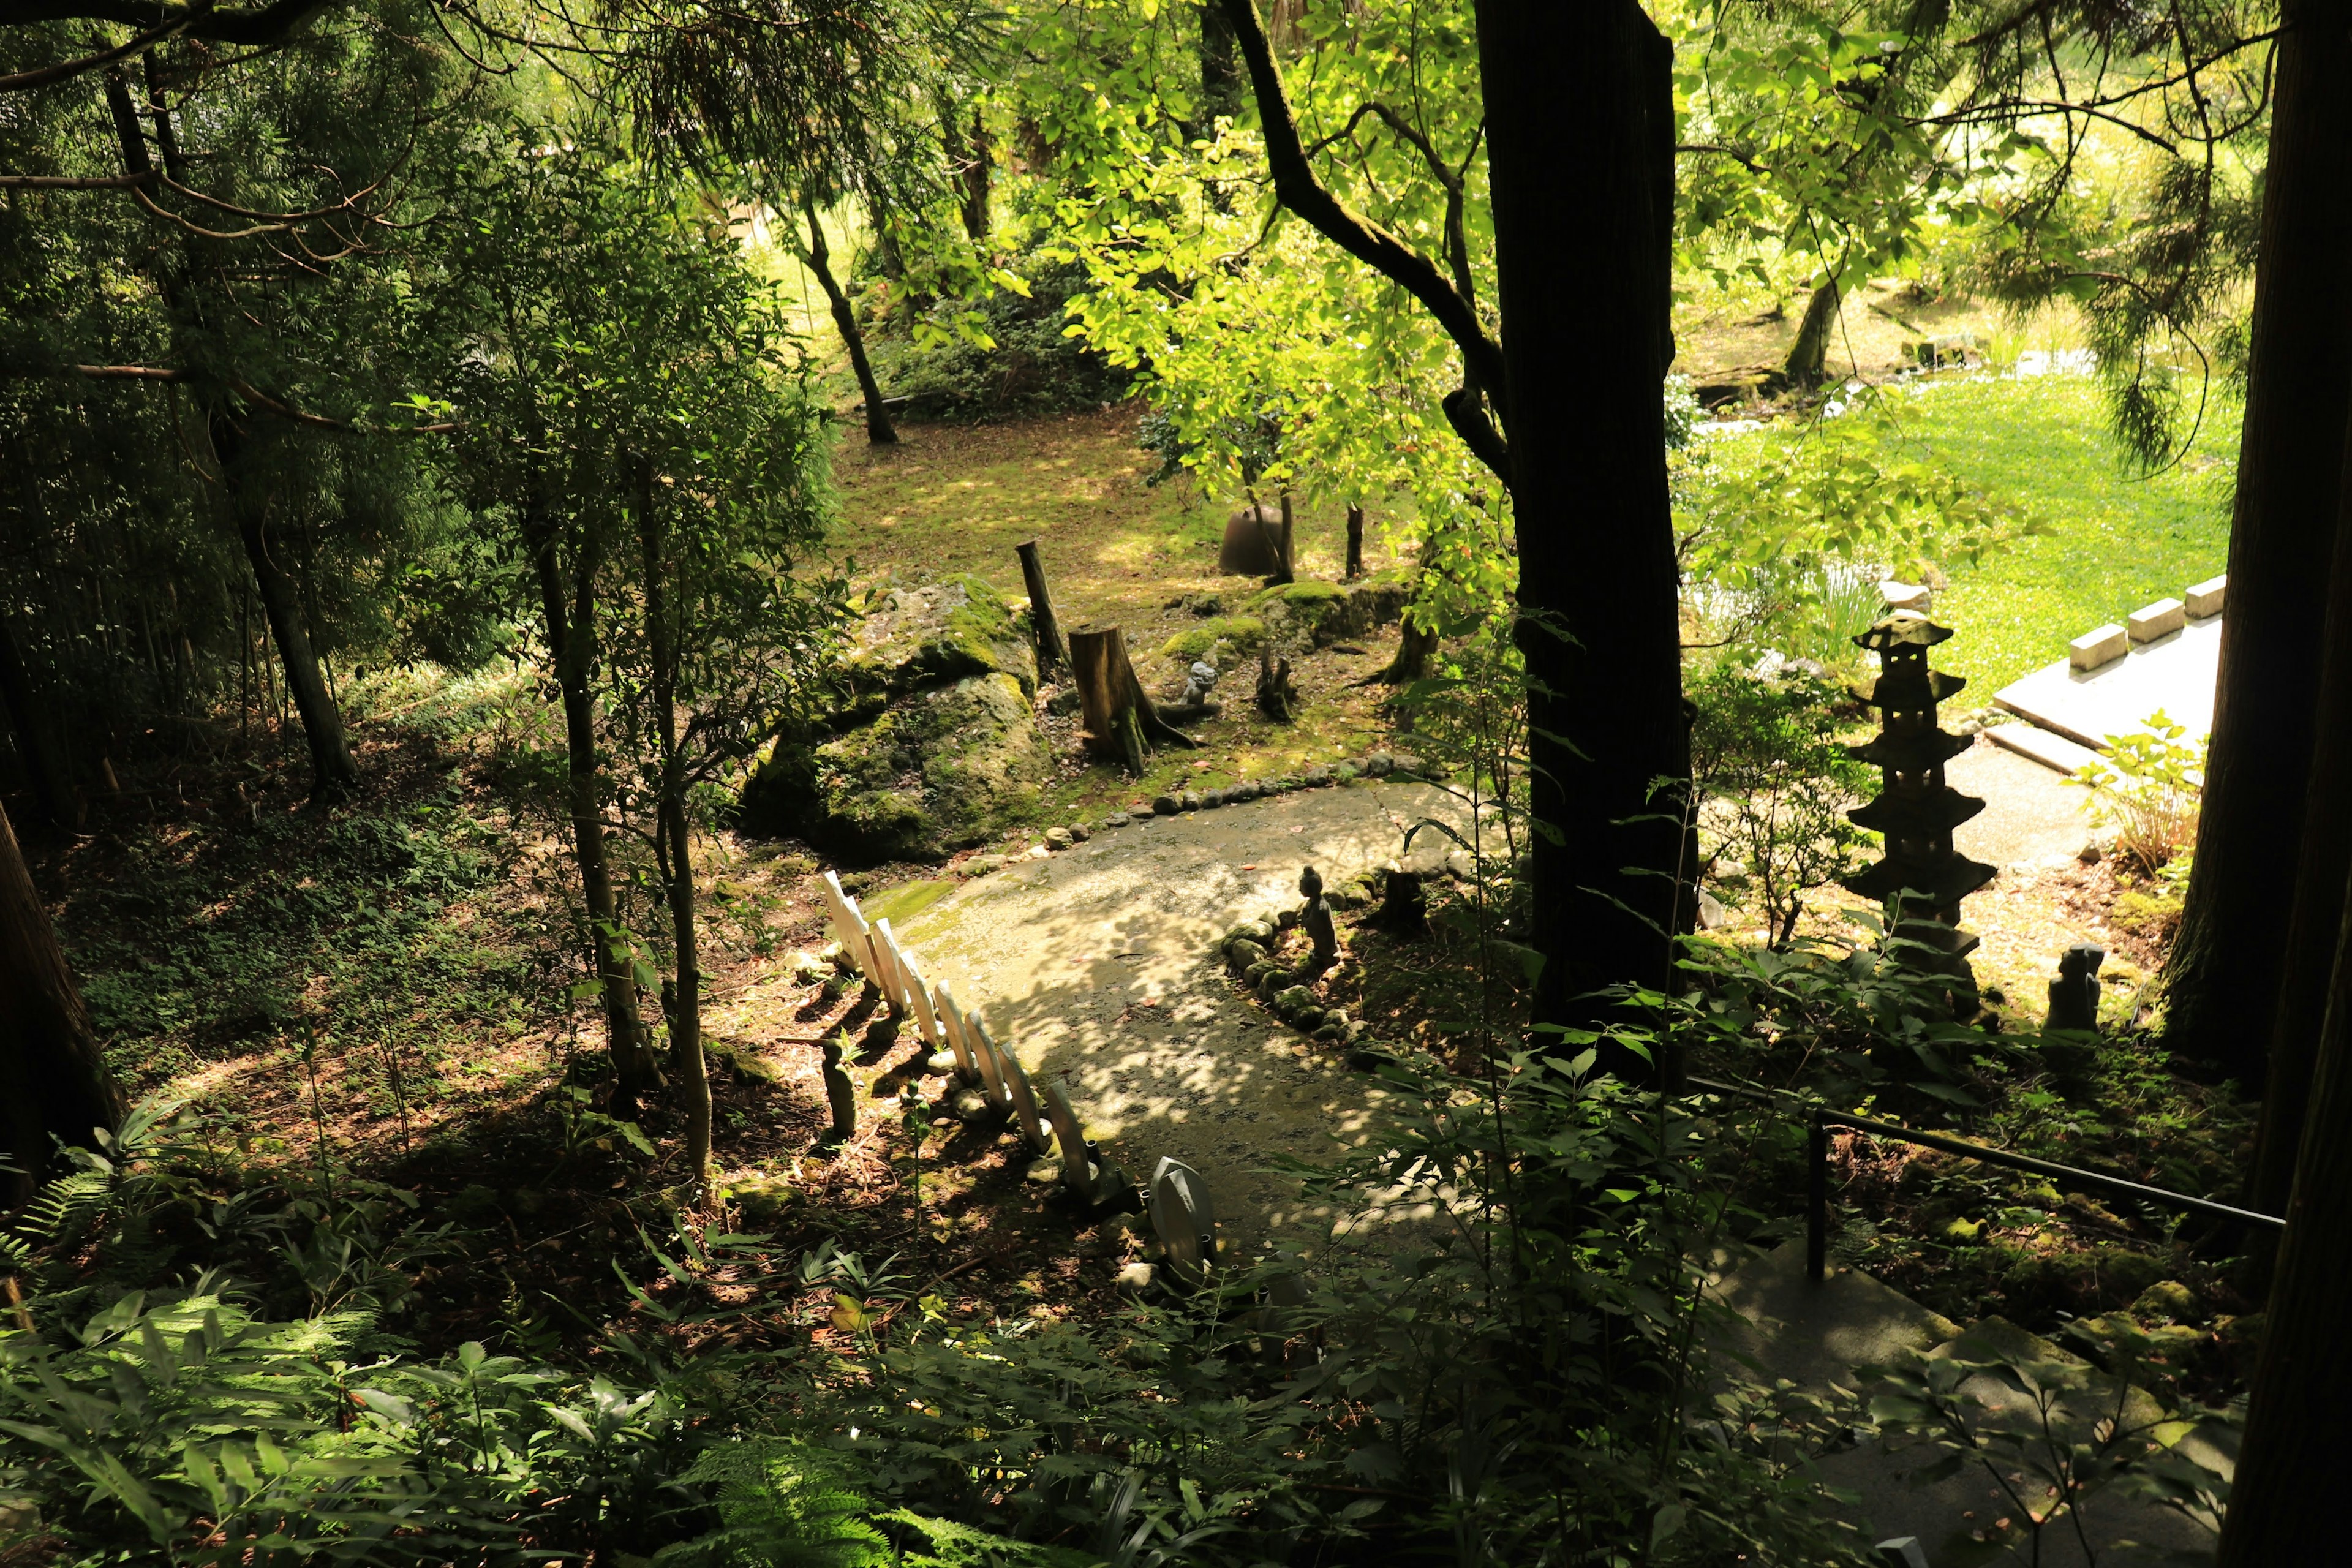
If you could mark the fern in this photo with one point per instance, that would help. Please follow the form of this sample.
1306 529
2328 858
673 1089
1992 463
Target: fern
781 1504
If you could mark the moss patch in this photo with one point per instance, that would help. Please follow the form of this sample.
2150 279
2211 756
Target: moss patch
1217 639
904 902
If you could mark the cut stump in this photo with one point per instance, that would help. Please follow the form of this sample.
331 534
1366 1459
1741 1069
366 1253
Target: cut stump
1120 721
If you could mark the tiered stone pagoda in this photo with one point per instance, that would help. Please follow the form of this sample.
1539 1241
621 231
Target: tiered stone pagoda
1922 879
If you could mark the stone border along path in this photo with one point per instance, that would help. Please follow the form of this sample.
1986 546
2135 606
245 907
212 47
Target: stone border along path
1095 973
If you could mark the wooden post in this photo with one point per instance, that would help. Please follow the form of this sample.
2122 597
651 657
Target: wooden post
1120 721
1286 571
1355 542
1051 649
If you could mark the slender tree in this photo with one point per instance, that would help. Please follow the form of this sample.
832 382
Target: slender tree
819 258
856 105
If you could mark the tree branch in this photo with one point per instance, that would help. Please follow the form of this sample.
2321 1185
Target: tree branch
1468 417
245 25
1296 186
244 389
63 71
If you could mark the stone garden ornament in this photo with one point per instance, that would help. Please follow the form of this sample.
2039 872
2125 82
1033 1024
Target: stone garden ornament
1183 1218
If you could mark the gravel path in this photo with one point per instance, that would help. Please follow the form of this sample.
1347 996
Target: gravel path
1096 965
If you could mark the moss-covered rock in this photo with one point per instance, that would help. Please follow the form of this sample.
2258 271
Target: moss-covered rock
1218 640
937 771
1323 613
916 637
937 747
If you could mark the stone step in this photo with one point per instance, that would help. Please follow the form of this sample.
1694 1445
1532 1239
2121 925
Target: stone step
2047 747
1815 1334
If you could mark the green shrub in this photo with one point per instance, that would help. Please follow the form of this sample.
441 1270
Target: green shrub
1029 367
2147 787
1775 780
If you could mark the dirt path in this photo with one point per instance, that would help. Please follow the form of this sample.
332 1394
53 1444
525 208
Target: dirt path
1097 965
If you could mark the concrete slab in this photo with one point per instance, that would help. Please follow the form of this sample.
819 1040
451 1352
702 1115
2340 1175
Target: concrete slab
1815 1335
2175 673
2031 814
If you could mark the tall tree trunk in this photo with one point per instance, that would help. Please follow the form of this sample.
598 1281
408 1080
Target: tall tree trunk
332 771
974 180
1582 265
572 642
1807 365
36 743
1355 543
56 1085
2226 962
878 428
674 846
2324 859
2283 1503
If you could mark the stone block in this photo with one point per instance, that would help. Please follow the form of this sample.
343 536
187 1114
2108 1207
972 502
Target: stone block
2160 620
2093 649
1900 595
2205 598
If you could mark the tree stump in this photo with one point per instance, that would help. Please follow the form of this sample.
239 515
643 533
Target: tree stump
1277 698
1042 625
1120 721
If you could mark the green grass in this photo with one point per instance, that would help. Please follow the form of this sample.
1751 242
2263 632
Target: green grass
2116 541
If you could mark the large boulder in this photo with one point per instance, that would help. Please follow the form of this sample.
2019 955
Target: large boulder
936 746
1325 613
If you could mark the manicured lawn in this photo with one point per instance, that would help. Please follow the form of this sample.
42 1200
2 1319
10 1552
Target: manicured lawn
2116 543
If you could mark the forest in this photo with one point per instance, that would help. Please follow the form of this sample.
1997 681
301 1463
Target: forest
1019 784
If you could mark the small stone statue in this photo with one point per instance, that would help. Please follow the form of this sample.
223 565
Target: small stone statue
1316 916
840 1094
1195 703
2074 994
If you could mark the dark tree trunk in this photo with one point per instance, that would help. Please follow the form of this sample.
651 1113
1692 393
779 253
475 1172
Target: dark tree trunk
674 843
1807 365
2284 1504
878 428
1120 721
332 771
2226 962
1221 71
1416 647
2324 861
1580 123
56 1085
1044 625
974 180
36 743
571 643
1285 569
1355 543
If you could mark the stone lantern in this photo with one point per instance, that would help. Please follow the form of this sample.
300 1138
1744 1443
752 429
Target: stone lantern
1922 880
